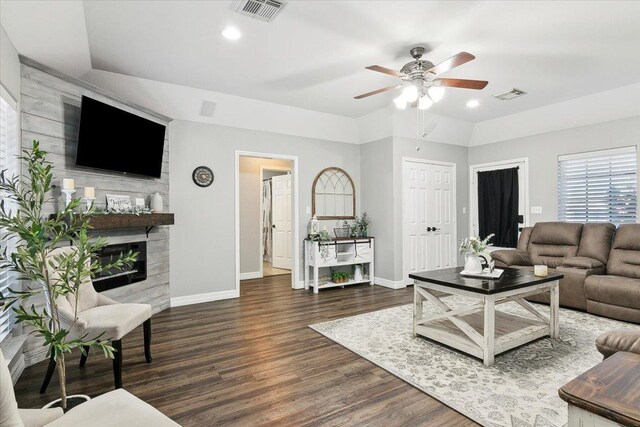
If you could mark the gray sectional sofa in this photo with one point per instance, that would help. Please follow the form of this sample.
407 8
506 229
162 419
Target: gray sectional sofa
600 263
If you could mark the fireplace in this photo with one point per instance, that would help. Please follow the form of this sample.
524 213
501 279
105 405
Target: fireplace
130 274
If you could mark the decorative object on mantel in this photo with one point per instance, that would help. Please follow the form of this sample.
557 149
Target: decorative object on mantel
140 203
118 204
32 256
473 249
333 195
89 196
202 176
156 203
68 188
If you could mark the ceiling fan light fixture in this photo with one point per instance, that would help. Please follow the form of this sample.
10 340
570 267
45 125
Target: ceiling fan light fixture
410 93
436 93
401 102
424 103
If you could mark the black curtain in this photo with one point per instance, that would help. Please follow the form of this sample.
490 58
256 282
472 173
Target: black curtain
498 206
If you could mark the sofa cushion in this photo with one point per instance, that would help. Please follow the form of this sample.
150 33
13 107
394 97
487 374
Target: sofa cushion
613 290
523 241
617 340
595 241
116 408
39 417
510 257
582 262
551 242
9 416
624 258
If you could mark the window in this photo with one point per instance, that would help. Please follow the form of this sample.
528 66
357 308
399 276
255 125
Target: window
8 149
599 186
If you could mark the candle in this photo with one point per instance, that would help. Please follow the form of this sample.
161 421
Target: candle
540 270
89 193
68 184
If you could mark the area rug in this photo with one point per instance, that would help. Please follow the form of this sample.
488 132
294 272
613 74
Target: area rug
520 389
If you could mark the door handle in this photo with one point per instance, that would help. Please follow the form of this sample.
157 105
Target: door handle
273 226
431 229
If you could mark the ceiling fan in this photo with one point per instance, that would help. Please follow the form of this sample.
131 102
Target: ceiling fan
419 80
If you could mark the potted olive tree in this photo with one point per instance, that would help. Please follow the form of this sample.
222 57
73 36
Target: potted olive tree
32 235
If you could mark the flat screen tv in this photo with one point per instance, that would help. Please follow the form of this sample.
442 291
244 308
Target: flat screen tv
113 139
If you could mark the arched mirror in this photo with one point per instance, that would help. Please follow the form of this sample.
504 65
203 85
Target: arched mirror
333 195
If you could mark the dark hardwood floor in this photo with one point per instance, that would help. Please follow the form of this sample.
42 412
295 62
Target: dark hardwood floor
253 361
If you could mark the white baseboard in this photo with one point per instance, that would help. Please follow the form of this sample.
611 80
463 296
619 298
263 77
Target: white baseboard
250 275
200 298
389 283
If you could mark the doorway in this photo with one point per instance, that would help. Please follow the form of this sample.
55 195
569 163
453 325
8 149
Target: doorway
522 193
275 219
266 198
429 216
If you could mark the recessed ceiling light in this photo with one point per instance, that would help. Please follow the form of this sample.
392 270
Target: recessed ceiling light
231 33
473 103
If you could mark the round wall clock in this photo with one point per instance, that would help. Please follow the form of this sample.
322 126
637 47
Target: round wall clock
203 176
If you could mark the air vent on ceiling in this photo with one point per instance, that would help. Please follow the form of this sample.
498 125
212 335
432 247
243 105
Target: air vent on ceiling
264 10
509 95
207 108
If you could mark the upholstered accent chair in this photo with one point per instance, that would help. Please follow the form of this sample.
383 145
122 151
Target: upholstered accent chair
97 316
116 408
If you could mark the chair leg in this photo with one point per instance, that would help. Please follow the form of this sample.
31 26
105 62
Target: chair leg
117 363
83 356
147 339
50 369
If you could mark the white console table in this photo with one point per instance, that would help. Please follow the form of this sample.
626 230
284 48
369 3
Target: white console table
340 252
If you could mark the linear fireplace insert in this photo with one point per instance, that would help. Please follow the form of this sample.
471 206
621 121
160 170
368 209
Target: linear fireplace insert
130 274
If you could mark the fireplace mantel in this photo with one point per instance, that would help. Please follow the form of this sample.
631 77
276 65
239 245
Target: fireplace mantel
148 221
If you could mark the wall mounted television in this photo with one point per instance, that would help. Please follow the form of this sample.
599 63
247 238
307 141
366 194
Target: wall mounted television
113 139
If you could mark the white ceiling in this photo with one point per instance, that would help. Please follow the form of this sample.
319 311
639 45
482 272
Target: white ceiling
314 53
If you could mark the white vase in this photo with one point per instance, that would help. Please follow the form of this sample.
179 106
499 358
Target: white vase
357 273
156 203
472 263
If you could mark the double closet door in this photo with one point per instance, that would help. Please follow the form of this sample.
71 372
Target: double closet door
429 212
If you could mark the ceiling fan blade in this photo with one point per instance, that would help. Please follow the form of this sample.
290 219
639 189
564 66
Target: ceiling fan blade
463 83
453 62
375 92
385 70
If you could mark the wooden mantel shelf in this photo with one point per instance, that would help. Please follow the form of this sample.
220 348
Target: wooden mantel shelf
147 221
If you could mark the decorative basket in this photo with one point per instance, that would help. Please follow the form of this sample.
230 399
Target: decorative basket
342 232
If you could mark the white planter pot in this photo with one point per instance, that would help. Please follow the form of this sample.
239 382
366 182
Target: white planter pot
472 263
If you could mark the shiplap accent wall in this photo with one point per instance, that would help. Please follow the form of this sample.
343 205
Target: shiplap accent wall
50 113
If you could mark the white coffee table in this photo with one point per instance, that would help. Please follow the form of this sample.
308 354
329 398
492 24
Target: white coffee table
480 329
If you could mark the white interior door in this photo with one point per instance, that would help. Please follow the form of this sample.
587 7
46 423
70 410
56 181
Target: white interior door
429 217
281 206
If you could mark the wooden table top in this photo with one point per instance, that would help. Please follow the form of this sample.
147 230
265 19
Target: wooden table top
512 278
610 389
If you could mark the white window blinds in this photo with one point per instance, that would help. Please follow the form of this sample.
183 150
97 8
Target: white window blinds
599 186
8 149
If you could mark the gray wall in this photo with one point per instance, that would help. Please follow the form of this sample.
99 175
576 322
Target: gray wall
250 195
376 173
543 151
203 239
9 66
50 113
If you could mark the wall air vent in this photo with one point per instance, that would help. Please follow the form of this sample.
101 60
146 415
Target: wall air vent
207 108
264 10
510 94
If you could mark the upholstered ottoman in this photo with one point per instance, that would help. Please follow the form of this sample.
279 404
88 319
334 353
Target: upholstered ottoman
617 340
